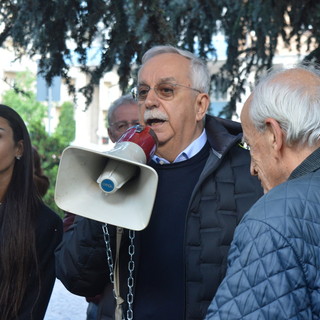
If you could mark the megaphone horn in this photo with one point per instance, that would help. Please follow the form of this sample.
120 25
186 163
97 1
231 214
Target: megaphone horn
115 187
138 144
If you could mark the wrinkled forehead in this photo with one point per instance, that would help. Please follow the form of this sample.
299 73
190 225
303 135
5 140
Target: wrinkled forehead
126 112
164 66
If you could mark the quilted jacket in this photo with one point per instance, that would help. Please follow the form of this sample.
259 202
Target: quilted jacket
274 260
224 192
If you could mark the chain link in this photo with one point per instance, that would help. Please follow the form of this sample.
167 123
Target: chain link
131 265
106 236
131 251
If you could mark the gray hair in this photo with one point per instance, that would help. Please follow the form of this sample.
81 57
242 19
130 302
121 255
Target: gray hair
126 99
199 72
295 107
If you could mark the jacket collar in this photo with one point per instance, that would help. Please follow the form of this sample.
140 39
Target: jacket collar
222 133
310 164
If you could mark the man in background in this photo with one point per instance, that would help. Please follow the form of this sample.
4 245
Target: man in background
274 260
122 114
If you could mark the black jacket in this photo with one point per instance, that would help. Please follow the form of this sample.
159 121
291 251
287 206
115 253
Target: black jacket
224 192
48 236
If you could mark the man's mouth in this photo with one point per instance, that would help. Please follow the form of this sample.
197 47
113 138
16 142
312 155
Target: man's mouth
154 117
153 122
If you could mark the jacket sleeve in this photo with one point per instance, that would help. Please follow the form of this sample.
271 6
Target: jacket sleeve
81 259
264 280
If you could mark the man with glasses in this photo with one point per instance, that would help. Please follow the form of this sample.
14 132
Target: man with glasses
204 189
122 114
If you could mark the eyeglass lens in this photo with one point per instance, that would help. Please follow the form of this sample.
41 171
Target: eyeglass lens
163 90
124 125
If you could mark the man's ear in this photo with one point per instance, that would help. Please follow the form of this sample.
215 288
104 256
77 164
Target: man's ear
202 105
276 134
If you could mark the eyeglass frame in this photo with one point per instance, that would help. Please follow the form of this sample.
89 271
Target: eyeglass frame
244 145
135 95
128 124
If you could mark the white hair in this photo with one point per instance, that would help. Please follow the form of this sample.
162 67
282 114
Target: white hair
199 72
126 99
295 105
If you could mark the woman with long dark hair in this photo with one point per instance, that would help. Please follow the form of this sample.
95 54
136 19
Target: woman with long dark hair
29 230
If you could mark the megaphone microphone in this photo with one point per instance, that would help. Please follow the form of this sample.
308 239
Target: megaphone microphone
116 187
139 144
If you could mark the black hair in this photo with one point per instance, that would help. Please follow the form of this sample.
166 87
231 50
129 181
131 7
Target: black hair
18 214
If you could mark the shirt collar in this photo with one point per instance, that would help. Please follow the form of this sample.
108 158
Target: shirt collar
190 151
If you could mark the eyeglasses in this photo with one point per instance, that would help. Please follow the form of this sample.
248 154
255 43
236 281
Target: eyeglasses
122 126
164 91
244 145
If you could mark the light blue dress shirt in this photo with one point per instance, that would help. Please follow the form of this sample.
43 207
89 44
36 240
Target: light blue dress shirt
188 152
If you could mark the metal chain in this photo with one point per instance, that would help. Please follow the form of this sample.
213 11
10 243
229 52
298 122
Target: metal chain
131 251
106 236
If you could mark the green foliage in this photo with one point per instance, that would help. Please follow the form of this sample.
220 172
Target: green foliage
121 31
66 128
22 98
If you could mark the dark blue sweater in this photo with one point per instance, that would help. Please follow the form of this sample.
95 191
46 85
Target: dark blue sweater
160 285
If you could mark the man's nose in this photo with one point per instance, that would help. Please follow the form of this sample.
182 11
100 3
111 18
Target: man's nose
152 99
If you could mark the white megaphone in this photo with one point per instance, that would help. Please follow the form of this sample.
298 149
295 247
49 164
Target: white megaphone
115 187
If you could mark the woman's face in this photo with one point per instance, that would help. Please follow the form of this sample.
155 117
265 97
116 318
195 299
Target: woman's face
9 150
